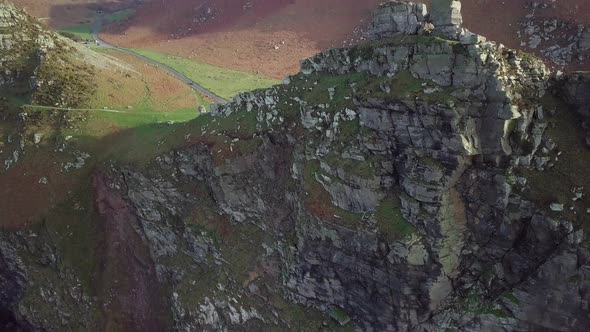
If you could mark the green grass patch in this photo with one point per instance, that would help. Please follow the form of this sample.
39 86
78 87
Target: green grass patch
14 101
236 125
340 316
349 131
136 146
301 318
71 232
404 86
364 169
81 32
137 104
475 305
390 221
221 81
144 117
314 88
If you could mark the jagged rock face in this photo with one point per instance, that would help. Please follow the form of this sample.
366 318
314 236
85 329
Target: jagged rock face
12 285
478 256
394 18
446 17
382 184
397 18
459 203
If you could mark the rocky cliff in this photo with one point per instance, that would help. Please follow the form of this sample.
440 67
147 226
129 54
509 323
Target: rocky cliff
419 182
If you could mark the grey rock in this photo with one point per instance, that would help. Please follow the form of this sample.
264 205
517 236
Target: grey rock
395 18
584 42
535 41
434 212
446 17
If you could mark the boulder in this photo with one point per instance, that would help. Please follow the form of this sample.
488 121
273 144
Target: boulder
395 18
446 17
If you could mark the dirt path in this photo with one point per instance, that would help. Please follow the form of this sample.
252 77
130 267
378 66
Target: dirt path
96 28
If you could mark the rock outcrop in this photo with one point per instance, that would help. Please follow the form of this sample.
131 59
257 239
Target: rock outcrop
390 185
584 42
395 18
22 42
398 18
446 17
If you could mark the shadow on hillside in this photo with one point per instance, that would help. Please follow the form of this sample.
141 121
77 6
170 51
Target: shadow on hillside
39 182
82 13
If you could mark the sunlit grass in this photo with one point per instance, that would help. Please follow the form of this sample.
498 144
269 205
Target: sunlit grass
221 81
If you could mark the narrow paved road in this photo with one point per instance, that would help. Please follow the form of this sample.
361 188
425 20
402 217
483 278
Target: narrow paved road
194 85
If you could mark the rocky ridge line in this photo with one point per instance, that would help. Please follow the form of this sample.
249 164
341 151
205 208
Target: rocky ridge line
387 184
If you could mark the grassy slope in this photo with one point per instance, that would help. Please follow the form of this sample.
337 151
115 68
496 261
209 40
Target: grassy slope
82 32
224 82
139 96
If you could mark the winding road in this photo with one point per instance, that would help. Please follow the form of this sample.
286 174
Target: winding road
194 85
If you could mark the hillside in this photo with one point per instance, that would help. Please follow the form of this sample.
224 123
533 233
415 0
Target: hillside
60 14
425 179
233 34
57 96
241 35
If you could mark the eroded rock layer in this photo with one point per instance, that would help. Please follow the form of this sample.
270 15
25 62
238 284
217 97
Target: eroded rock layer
388 185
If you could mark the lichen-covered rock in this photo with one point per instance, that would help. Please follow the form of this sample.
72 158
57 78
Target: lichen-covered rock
383 185
395 18
446 17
